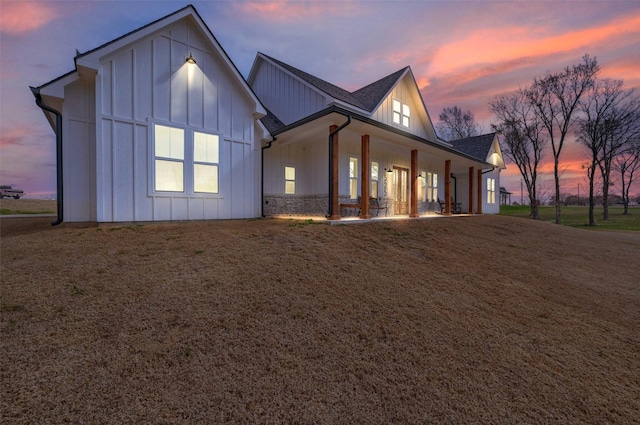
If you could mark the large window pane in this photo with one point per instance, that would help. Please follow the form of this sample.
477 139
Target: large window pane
205 178
289 173
290 187
169 142
169 176
205 148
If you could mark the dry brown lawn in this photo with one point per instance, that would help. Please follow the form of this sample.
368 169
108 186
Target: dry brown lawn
483 319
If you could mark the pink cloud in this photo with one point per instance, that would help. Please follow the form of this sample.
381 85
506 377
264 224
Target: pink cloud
22 17
509 44
287 10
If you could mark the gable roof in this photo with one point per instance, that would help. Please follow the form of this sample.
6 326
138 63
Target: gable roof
477 146
374 93
330 89
366 98
90 58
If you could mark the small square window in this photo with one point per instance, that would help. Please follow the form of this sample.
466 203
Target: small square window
289 180
401 113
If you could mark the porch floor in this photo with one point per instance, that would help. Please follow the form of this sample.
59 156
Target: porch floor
356 219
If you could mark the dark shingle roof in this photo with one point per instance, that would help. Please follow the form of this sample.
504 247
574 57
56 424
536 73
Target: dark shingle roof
477 146
271 122
372 95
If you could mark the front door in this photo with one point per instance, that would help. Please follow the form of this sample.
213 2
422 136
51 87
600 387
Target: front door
401 186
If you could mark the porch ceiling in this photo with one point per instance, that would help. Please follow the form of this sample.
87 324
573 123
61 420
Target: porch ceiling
317 131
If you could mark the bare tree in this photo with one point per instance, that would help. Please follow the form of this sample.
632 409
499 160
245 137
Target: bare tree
603 130
522 139
628 165
455 124
555 99
610 128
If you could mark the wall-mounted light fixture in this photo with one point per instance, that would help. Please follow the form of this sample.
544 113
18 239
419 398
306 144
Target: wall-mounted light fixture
191 59
388 170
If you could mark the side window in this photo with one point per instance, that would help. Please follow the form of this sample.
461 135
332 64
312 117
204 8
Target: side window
401 113
432 186
205 162
375 167
290 180
423 186
491 191
353 178
169 159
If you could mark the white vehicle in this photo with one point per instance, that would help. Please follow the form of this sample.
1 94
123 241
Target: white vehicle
10 192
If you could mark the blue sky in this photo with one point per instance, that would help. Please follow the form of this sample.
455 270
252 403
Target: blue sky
461 53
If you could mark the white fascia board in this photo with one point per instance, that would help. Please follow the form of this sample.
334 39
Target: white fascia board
56 88
345 105
92 58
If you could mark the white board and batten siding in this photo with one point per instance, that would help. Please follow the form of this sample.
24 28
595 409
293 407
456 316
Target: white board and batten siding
289 98
148 82
78 153
406 92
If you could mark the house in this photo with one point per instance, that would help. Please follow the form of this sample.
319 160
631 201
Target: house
505 196
334 148
160 125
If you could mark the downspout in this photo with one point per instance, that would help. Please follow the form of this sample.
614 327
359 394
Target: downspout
59 189
488 171
262 177
330 159
455 187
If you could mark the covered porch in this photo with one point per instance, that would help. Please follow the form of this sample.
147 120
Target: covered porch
337 165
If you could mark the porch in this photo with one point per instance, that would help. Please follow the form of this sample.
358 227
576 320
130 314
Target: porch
357 219
405 174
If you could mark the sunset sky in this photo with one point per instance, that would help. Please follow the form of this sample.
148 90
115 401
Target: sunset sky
461 53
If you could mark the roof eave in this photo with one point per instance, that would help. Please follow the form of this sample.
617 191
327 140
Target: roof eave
370 121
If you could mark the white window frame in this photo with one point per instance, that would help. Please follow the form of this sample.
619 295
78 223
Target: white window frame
210 161
188 164
375 182
168 154
423 185
289 180
353 177
401 113
432 187
491 190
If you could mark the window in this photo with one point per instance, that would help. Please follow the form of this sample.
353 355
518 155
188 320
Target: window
289 180
423 186
205 163
401 113
432 187
169 159
353 178
375 167
179 153
491 191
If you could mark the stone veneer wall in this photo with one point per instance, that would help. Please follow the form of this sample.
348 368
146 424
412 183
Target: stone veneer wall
314 205
317 205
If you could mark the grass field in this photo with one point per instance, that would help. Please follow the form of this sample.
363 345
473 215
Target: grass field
27 206
579 216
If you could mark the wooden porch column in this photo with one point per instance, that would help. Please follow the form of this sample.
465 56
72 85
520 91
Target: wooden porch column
480 191
365 190
414 184
335 172
471 177
447 187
